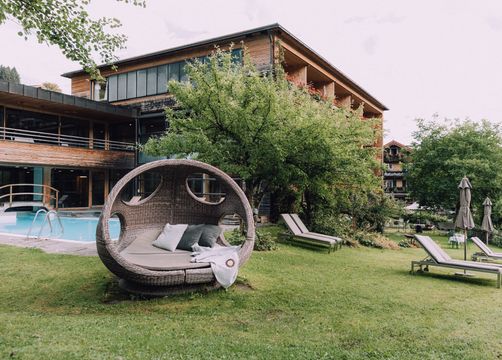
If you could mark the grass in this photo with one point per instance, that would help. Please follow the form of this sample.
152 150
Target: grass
292 303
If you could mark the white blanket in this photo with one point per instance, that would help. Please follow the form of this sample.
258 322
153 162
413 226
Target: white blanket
224 261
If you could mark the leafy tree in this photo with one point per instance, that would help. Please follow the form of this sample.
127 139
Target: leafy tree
67 24
51 86
9 74
271 134
443 154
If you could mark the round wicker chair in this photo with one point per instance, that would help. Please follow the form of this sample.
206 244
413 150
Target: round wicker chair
172 202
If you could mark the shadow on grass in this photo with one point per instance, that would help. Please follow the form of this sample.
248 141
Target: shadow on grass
472 280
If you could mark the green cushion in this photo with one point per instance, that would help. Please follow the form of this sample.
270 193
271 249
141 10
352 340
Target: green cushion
190 237
209 235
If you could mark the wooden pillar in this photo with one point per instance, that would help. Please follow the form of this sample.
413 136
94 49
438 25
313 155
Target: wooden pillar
89 197
205 187
91 134
298 75
107 183
328 90
344 101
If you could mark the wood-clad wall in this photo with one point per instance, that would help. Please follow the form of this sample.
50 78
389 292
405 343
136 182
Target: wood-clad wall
12 152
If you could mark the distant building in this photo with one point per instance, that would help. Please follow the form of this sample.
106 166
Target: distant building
395 156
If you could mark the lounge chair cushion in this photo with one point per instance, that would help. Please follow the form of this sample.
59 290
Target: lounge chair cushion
210 234
170 236
190 237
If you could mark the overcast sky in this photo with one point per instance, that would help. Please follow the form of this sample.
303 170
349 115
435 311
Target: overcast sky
417 57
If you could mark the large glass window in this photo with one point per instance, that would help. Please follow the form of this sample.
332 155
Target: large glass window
99 91
174 71
112 88
151 87
151 81
32 121
122 132
98 187
122 87
162 79
141 81
131 85
73 186
74 127
151 127
99 136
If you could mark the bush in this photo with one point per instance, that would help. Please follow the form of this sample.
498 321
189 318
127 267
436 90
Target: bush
375 240
264 241
421 217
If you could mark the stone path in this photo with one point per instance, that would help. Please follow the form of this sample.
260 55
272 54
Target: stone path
51 246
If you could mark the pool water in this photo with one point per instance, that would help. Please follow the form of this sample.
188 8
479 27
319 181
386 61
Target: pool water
77 229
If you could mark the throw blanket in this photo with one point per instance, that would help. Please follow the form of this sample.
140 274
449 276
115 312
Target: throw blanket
224 261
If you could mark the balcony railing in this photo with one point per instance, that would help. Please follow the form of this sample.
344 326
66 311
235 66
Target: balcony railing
37 137
395 189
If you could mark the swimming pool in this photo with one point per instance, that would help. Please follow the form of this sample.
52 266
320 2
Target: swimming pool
76 229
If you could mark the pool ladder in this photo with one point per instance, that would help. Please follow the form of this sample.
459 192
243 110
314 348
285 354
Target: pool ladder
47 220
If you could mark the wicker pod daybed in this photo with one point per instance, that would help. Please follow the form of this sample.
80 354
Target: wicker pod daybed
145 269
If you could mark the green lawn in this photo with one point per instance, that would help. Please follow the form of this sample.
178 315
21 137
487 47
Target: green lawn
292 303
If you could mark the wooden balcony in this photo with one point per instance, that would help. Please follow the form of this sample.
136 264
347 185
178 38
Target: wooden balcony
26 147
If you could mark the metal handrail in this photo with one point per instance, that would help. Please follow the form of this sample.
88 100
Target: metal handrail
35 219
65 140
44 194
47 219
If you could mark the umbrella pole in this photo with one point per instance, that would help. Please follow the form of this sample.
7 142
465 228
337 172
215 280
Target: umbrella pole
487 237
465 244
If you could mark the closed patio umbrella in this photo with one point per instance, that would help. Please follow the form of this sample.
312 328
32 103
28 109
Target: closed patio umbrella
487 225
464 217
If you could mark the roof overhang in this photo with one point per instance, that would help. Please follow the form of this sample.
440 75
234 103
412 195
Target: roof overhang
23 96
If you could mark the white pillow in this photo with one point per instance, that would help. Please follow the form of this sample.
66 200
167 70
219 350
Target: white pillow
170 237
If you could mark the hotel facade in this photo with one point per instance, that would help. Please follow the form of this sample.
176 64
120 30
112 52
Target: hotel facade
80 145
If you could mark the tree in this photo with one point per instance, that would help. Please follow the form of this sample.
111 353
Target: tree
269 133
443 154
67 24
9 74
51 86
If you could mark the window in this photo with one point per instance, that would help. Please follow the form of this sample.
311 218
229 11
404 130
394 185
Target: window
141 89
99 91
148 82
151 87
183 74
131 85
174 71
112 88
162 79
122 87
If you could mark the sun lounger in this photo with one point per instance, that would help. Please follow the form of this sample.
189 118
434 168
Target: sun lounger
302 234
438 257
486 253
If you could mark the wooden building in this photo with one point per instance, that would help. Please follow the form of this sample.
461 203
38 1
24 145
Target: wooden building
396 155
82 143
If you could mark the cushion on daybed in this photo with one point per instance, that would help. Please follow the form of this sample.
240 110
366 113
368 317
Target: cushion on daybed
210 234
190 237
170 236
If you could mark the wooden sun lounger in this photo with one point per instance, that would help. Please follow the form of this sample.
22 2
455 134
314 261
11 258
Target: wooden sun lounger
486 253
438 257
302 234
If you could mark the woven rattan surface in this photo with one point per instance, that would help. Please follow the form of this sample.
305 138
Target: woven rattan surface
170 203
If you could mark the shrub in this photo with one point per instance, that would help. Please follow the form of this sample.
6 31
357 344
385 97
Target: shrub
375 240
264 241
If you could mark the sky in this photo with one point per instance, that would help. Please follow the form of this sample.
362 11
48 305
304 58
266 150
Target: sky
419 58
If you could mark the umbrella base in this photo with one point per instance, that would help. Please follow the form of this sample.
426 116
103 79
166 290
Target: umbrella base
464 274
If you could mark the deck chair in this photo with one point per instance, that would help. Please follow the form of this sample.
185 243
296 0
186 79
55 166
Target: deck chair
302 234
486 253
438 257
